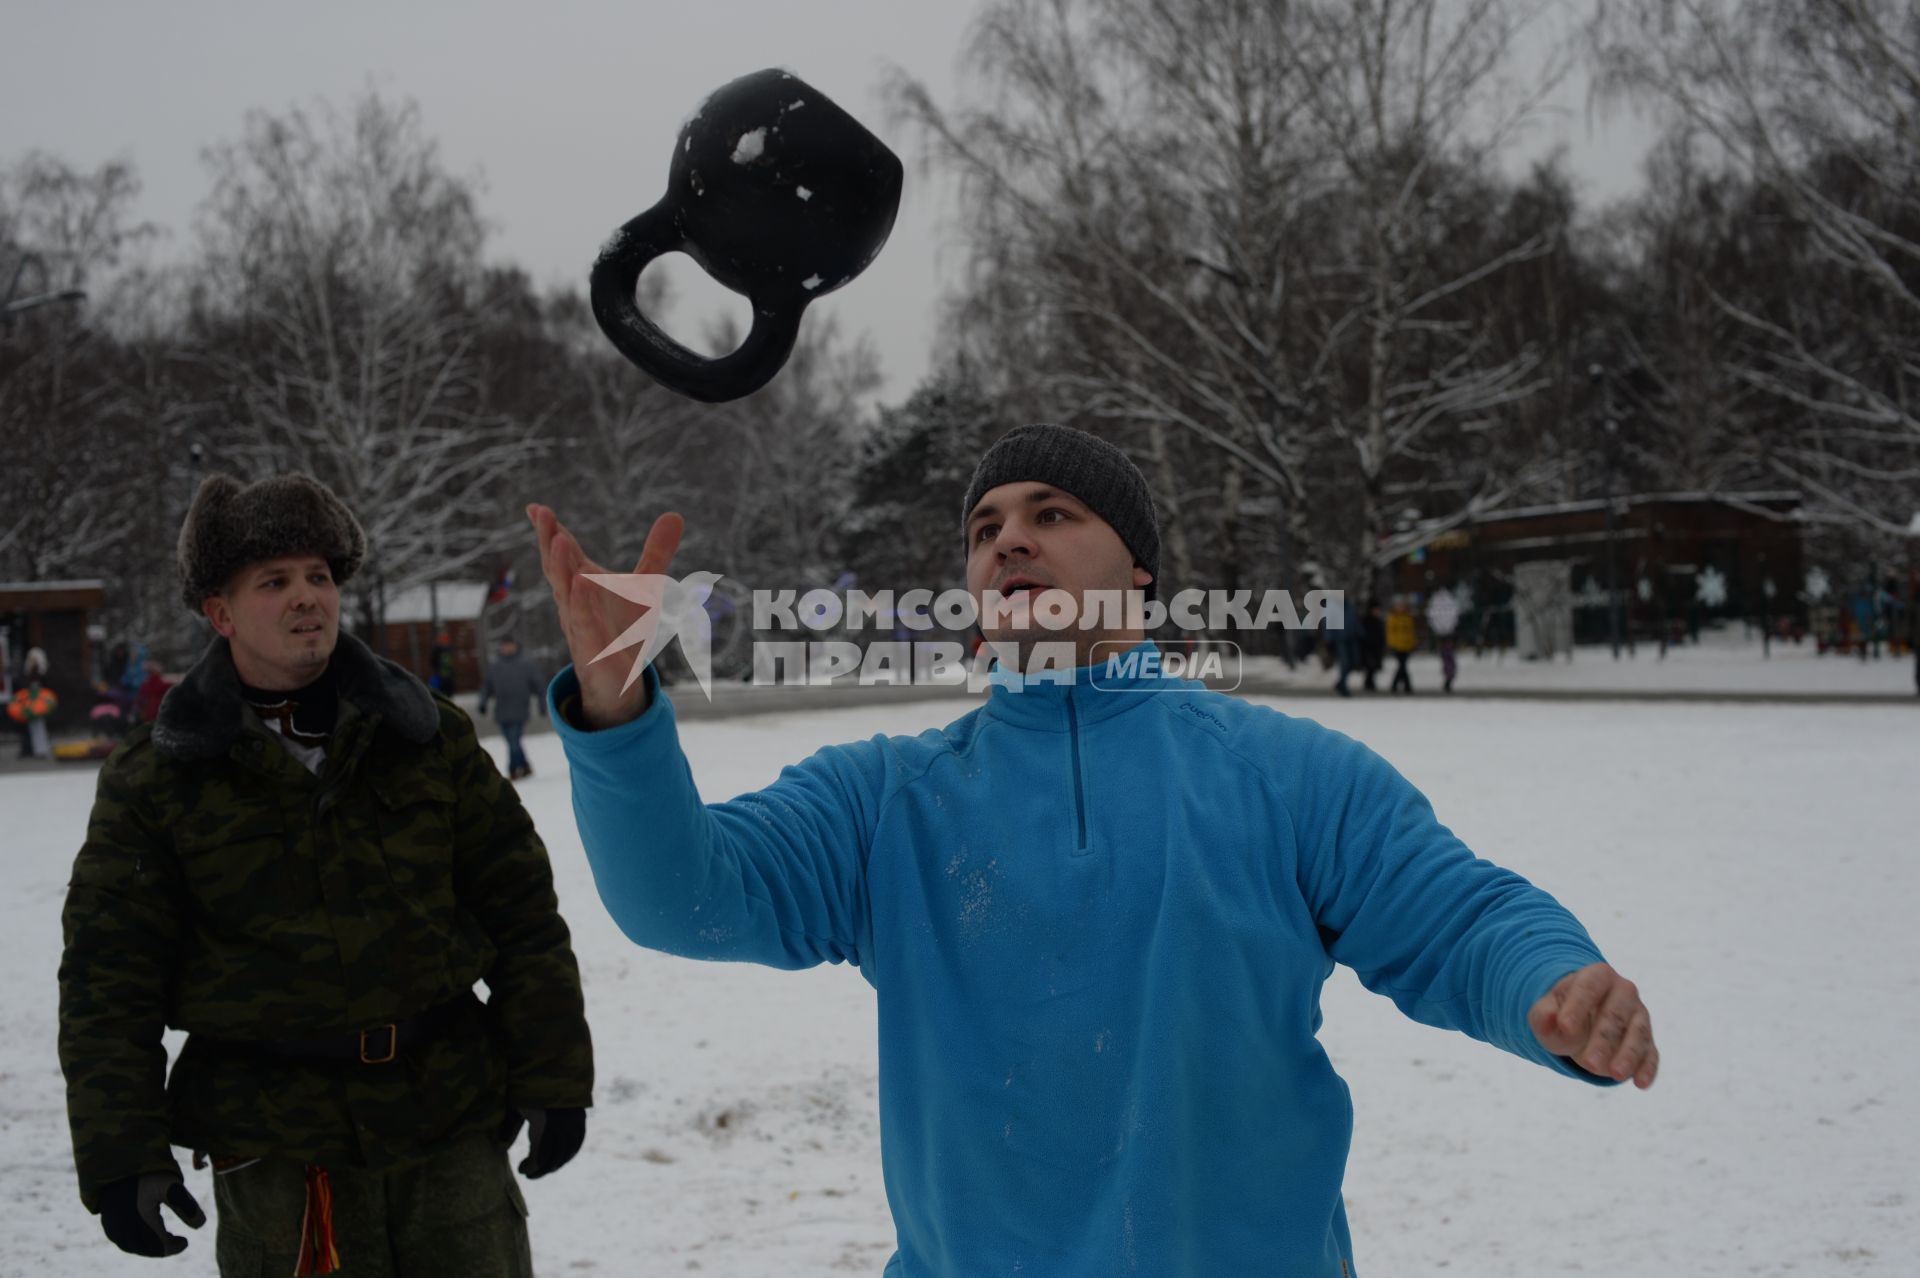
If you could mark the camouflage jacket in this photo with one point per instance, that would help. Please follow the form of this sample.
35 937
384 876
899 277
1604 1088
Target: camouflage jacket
226 891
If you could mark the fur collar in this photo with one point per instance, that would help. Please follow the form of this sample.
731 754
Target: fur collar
204 716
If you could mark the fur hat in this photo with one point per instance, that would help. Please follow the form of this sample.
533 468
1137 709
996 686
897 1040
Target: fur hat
231 525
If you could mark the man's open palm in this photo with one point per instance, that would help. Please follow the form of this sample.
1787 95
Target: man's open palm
593 618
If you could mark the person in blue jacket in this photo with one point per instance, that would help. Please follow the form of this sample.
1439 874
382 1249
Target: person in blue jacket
1097 914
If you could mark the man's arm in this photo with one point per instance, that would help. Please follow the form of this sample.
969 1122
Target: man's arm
775 877
502 875
1454 941
122 925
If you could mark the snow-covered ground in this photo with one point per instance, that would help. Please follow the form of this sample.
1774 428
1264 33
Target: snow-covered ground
1727 661
1753 867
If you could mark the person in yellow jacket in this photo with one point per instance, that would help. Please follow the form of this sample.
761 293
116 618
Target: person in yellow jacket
1402 639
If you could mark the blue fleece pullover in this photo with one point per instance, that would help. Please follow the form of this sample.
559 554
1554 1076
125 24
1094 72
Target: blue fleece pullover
1097 920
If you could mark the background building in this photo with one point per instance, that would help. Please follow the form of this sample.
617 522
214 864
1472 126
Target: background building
53 616
1672 561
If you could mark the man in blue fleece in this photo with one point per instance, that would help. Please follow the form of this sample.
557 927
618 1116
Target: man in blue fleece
1097 918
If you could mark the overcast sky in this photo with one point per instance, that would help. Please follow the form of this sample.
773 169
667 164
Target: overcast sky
566 109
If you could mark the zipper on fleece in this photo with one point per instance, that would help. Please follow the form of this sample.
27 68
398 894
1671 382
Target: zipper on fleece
1079 801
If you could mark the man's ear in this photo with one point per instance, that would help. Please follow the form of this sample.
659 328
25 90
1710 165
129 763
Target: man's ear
216 611
1141 577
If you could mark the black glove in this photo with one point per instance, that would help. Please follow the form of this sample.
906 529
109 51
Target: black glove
554 1136
130 1213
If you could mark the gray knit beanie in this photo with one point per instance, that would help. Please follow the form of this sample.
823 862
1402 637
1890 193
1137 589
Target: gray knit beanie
1081 465
231 525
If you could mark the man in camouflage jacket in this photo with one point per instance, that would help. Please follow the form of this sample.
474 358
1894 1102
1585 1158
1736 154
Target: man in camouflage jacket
314 910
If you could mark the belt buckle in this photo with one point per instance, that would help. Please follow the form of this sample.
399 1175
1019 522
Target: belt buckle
393 1044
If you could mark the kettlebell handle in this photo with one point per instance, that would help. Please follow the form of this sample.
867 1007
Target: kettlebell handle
616 275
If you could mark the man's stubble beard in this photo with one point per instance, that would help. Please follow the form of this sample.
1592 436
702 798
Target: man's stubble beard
1030 640
311 661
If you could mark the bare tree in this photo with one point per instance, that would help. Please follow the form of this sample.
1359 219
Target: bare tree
1418 99
626 448
1818 105
69 499
764 481
1685 242
1256 228
1136 206
771 477
340 262
78 225
909 479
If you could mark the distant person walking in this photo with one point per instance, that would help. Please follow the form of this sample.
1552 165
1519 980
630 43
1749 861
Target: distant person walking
1913 630
153 690
118 658
1443 619
1373 644
512 684
1402 639
440 677
1345 639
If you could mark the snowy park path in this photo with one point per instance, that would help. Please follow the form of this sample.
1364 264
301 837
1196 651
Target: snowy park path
1752 867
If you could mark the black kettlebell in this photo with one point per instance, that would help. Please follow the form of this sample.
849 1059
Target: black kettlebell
779 195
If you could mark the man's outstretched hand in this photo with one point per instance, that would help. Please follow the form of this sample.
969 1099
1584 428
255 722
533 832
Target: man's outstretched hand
591 617
1595 1018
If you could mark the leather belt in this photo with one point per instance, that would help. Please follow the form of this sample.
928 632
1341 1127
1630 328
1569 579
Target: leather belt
376 1045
